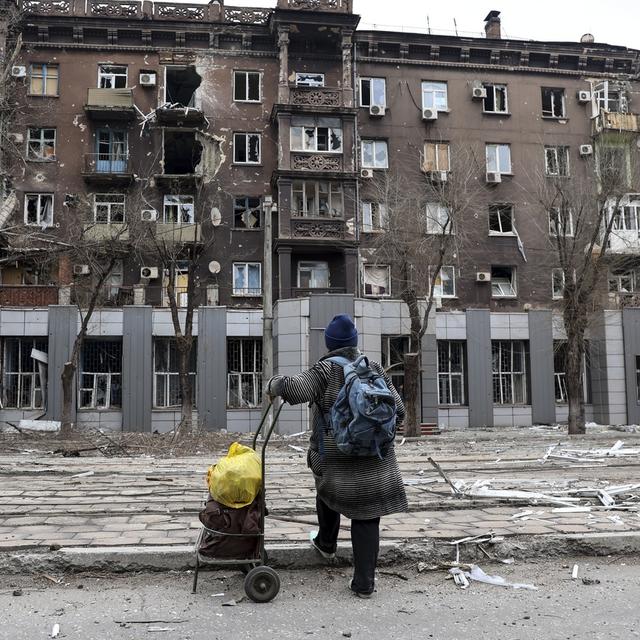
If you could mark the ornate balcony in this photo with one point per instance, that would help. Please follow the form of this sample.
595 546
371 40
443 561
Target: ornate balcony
332 6
318 228
110 104
315 97
316 162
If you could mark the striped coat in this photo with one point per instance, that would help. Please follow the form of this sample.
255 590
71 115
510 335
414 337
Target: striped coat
360 488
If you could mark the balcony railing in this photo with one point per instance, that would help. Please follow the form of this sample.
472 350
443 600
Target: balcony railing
106 164
110 296
28 295
303 292
609 121
333 6
323 228
315 96
178 233
316 162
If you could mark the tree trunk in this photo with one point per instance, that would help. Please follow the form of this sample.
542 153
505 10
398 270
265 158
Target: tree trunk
68 375
574 380
184 345
412 394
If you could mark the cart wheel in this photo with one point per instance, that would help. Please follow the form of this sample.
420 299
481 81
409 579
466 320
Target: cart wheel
262 584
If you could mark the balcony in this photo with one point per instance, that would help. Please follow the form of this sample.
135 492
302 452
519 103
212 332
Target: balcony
331 6
179 116
176 233
609 121
117 232
109 297
302 292
107 169
110 104
27 295
318 228
316 162
315 96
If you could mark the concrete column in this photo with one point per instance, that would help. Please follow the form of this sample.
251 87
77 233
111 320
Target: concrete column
137 368
543 402
631 331
139 291
479 370
63 329
430 374
283 79
212 367
351 271
347 67
284 271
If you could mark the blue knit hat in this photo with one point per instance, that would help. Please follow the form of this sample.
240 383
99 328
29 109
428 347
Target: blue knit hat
341 332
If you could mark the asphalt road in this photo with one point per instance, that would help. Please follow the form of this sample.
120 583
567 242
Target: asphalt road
317 605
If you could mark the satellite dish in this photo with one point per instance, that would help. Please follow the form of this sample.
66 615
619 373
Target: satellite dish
587 38
214 267
216 217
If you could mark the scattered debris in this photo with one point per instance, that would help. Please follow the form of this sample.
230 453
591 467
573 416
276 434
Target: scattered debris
55 630
86 474
159 629
17 592
478 575
574 573
295 448
41 426
229 603
455 490
590 581
394 574
52 578
459 577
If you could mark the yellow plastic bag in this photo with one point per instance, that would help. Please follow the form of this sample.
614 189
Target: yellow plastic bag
237 478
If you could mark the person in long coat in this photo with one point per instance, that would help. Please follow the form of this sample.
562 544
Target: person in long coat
362 489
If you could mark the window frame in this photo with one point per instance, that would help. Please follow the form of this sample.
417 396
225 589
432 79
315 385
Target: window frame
550 114
560 163
394 370
180 201
313 266
254 376
109 206
365 268
110 377
22 373
437 147
494 88
372 80
557 294
45 76
247 145
434 92
438 287
302 83
299 138
448 376
40 195
497 146
246 291
170 375
335 192
247 73
435 224
509 375
247 209
374 142
41 140
559 377
497 208
513 283
553 226
102 75
370 212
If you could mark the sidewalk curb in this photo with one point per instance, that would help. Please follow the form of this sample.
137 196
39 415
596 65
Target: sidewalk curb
302 556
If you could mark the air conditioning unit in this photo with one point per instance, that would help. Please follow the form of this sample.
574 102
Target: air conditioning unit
147 79
483 276
149 215
493 177
584 96
586 149
429 114
479 93
377 110
151 273
80 269
18 71
438 176
367 174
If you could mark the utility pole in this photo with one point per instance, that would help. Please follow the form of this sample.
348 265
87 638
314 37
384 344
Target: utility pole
268 208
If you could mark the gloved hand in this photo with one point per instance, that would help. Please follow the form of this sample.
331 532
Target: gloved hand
272 388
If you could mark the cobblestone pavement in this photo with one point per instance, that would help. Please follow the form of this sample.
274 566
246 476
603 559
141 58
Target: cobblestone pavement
155 500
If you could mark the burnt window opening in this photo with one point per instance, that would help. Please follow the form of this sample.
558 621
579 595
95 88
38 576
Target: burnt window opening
247 213
182 152
501 219
100 374
496 100
553 103
180 86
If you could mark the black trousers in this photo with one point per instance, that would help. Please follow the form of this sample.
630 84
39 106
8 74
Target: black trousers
365 541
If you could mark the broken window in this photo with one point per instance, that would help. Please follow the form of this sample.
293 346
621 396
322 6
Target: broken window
101 374
313 275
115 281
21 381
373 92
451 372
181 84
438 219
43 80
560 221
375 154
498 158
111 151
627 218
610 96
393 350
182 152
503 282
244 373
557 284
613 162
178 209
166 380
374 217
553 103
624 281
316 134
180 284
310 79
246 148
496 100
436 156
108 208
319 199
41 144
247 279
445 284
112 76
556 161
377 280
501 219
434 96
509 371
560 353
246 86
247 213
38 209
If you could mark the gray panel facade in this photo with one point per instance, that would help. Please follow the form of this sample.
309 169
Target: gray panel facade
430 377
479 371
63 329
598 362
137 363
212 367
543 402
631 331
322 309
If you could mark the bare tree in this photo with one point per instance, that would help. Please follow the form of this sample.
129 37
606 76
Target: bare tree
421 235
588 214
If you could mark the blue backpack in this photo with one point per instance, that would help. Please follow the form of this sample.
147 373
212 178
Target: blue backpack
363 417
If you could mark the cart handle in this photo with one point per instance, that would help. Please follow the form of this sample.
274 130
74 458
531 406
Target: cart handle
269 432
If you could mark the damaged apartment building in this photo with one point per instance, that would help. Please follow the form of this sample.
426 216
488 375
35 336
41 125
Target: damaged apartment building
192 122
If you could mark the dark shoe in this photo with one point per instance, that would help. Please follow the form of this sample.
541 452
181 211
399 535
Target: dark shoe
327 555
360 594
